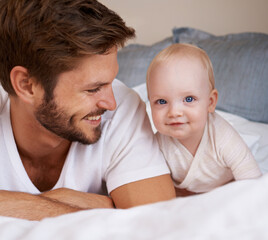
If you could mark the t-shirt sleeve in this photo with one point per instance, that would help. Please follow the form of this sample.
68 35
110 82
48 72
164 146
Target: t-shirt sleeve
132 148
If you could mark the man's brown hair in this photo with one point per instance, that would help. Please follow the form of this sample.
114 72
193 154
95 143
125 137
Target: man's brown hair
48 37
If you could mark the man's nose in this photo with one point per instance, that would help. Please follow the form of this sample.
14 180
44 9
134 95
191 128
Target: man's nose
107 100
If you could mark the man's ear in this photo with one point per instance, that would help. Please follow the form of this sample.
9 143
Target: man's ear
23 84
213 98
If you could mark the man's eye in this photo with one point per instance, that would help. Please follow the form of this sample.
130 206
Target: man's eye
189 99
93 90
161 101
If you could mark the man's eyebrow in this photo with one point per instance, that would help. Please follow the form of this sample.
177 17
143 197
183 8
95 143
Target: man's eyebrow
96 85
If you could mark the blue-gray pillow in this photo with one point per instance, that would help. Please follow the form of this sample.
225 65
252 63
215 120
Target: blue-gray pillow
134 60
240 63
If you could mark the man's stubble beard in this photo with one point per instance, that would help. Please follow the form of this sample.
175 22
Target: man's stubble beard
55 120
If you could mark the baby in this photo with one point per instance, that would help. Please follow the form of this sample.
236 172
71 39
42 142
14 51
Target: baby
203 150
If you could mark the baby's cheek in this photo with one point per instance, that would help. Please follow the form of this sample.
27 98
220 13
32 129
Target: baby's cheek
157 123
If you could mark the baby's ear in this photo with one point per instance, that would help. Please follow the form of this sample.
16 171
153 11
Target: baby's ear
213 98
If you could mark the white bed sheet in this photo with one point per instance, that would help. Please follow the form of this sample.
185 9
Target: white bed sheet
238 210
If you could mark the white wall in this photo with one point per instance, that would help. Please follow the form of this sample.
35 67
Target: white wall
154 19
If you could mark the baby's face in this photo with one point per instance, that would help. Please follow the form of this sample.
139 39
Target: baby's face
179 94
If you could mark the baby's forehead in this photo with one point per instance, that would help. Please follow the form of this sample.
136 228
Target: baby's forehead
185 71
190 58
183 63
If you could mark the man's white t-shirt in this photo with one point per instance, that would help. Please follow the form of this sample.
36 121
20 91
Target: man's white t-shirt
126 152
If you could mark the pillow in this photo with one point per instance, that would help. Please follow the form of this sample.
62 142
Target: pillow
240 63
134 60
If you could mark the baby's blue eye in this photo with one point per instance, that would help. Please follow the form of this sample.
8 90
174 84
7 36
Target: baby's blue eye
189 99
161 101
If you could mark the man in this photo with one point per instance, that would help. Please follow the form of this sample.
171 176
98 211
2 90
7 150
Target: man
70 136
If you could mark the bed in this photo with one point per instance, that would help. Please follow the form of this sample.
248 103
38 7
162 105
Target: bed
238 210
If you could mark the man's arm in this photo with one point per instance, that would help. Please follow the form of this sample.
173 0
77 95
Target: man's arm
79 199
141 192
49 204
31 207
62 201
145 191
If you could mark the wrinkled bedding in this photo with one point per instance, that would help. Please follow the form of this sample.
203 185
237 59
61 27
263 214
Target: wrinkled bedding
238 210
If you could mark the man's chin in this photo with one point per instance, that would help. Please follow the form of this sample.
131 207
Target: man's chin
88 141
91 139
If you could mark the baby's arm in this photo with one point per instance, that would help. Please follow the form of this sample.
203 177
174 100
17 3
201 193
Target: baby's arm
239 158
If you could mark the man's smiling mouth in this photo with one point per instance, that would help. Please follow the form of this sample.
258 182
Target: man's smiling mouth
93 118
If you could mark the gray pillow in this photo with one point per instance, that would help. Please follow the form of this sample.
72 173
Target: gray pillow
134 60
240 63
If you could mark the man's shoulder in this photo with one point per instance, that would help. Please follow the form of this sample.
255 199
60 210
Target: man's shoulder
127 101
123 93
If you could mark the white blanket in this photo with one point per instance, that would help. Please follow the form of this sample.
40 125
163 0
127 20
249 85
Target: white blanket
238 210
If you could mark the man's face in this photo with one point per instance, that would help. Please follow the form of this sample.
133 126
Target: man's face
81 96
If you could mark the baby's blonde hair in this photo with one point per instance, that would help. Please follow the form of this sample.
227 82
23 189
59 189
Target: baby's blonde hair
186 50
